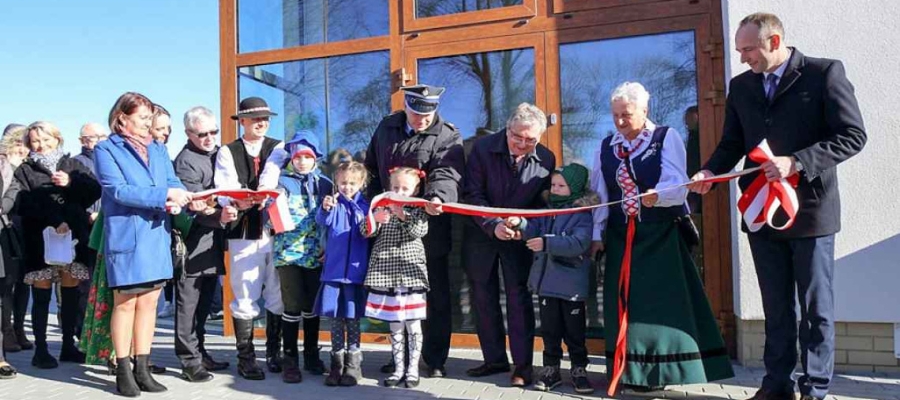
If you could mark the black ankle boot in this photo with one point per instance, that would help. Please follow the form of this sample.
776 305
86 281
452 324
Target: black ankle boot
125 383
39 310
68 315
143 377
273 342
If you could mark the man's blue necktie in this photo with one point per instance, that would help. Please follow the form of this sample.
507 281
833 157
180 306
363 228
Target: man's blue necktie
771 85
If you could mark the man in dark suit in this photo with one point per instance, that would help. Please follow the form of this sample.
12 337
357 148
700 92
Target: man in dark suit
507 169
806 109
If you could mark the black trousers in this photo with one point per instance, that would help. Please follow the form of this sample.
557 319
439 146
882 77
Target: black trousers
801 269
299 287
484 260
563 320
437 327
193 297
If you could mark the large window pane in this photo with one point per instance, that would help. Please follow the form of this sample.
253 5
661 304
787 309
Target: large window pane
433 8
276 24
341 99
482 88
589 71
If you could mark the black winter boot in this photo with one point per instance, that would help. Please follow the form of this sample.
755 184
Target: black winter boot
273 342
21 294
352 368
290 326
311 360
247 367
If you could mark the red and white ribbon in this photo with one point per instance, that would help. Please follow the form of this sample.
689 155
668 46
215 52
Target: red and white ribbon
761 200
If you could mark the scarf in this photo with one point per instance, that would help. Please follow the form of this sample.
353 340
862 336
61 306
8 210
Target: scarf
89 153
48 161
138 144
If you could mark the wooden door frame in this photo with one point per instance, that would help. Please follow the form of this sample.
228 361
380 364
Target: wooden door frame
552 22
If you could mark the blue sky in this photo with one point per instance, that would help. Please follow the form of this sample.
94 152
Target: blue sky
67 61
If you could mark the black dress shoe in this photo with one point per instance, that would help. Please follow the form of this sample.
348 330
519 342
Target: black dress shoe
809 397
196 374
157 369
213 365
411 383
435 372
487 370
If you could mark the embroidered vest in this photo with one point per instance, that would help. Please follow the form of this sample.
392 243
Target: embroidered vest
249 225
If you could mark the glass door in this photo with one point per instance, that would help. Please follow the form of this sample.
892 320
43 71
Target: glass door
585 65
485 80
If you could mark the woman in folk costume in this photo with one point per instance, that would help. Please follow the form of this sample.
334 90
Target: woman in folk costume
397 278
661 329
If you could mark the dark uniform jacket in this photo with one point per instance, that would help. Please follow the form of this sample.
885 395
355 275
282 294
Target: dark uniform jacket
205 241
42 204
438 151
814 117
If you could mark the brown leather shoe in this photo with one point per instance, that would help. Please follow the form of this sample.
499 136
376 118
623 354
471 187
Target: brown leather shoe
763 394
522 376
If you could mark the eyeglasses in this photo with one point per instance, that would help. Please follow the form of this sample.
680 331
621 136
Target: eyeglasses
93 138
202 135
521 140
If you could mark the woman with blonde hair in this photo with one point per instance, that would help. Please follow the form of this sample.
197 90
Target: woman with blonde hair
52 190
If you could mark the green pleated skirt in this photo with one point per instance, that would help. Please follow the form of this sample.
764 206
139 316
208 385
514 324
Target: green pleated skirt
672 336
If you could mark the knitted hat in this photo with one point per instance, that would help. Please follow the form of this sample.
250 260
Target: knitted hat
576 176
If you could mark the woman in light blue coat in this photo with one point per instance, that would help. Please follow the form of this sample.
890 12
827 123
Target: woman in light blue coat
138 184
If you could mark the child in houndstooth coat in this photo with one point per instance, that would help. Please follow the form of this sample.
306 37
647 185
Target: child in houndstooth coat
397 279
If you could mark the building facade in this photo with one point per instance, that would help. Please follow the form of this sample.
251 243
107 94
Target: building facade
335 66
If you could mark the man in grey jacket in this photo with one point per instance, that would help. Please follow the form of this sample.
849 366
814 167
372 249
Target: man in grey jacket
204 260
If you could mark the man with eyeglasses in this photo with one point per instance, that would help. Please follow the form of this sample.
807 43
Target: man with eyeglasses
204 260
507 169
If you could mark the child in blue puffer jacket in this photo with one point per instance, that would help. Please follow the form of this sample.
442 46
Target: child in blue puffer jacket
559 275
342 296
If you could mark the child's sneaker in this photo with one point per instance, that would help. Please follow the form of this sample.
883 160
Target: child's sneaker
580 381
548 378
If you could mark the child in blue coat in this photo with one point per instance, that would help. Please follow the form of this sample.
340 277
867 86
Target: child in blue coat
342 296
559 274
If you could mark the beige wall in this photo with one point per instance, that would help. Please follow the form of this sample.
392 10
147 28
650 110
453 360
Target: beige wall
863 36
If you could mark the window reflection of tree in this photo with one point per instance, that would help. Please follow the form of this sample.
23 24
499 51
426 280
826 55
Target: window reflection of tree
669 76
308 22
340 98
432 8
503 79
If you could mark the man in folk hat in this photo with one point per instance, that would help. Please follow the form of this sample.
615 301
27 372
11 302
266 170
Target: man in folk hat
419 138
239 165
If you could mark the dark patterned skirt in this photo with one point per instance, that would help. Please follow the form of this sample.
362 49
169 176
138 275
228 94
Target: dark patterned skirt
672 337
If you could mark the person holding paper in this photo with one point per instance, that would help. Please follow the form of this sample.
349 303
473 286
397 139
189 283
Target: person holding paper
52 190
139 184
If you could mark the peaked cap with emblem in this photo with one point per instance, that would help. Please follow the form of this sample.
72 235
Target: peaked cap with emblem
422 99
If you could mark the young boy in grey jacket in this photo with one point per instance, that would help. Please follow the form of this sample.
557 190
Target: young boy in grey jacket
559 275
